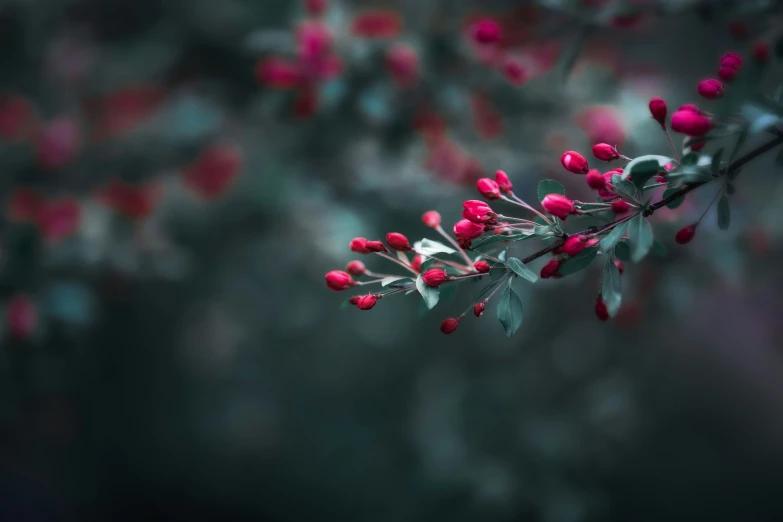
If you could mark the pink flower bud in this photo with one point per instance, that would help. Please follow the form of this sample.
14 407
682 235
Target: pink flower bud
574 162
550 269
691 123
606 193
605 152
402 62
356 268
434 277
315 7
449 325
690 107
467 230
761 51
620 207
431 218
375 246
501 178
278 73
486 31
478 309
380 23
558 205
359 245
731 59
57 142
481 266
710 89
354 300
685 234
366 302
574 244
416 263
398 241
620 266
488 188
600 309
595 180
658 111
21 316
514 71
338 280
477 211
727 72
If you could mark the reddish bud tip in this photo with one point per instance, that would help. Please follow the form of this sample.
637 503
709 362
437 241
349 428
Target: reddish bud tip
488 188
620 207
761 51
710 89
398 241
359 245
356 268
466 230
731 60
366 302
600 309
449 325
558 205
501 178
605 152
550 269
354 300
338 280
478 309
431 218
574 162
727 72
375 246
481 266
691 123
658 111
416 263
486 31
620 266
434 277
595 180
685 234
574 244
21 316
315 7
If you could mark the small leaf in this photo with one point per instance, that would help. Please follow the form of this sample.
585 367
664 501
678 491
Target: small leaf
500 238
715 166
502 255
430 294
740 142
386 281
345 304
624 188
542 230
675 202
724 212
427 247
549 186
427 264
640 235
578 262
623 251
497 272
521 270
613 237
510 311
659 249
640 170
690 159
611 287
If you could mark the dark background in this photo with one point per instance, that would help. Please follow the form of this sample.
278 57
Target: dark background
216 378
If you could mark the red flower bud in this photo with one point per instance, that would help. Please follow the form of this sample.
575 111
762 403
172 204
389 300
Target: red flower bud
658 111
600 309
467 230
338 280
315 7
416 263
356 268
375 246
21 316
354 300
550 269
366 302
574 244
595 180
606 193
727 72
397 241
761 51
690 107
690 123
696 147
402 62
431 218
605 152
449 325
574 162
488 188
710 89
434 277
501 178
620 207
481 266
685 234
359 245
514 71
620 266
478 309
477 211
486 31
558 205
731 59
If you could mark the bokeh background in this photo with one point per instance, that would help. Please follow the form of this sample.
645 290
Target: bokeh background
175 191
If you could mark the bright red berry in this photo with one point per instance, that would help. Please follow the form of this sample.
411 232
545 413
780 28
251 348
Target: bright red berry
685 234
478 309
482 266
501 178
550 269
338 280
359 245
449 325
465 229
366 302
558 205
605 152
710 89
574 162
600 309
658 111
431 218
434 277
574 244
620 207
488 188
398 241
356 268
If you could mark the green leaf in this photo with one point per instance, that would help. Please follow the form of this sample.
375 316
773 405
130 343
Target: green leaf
640 235
430 294
730 188
578 262
542 230
502 255
345 304
643 168
715 166
613 237
394 279
659 249
623 251
500 238
521 270
724 212
611 287
675 202
624 188
497 272
510 311
549 186
427 264
737 146
779 159
427 247
690 159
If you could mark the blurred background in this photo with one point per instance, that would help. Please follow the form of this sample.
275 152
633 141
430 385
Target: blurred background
178 175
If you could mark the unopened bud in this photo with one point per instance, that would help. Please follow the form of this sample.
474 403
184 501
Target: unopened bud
595 180
710 89
658 111
488 188
574 244
398 241
600 309
685 234
356 268
605 152
449 325
478 309
366 302
435 277
620 207
550 269
338 280
481 266
359 245
558 205
501 178
574 162
467 230
375 246
431 218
